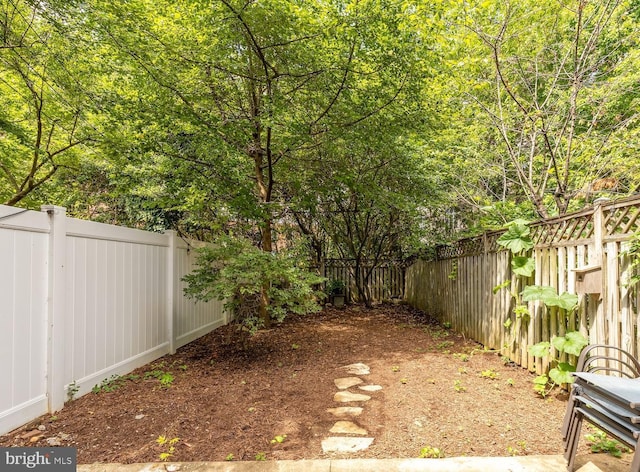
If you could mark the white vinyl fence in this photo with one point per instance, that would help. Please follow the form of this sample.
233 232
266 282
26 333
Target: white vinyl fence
82 301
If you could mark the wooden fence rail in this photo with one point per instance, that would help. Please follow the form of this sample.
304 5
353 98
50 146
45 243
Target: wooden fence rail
458 286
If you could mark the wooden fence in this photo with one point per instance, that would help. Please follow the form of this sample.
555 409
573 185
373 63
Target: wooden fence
385 282
458 286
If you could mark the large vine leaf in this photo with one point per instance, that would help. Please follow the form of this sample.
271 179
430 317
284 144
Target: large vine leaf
562 373
523 265
516 238
566 301
572 343
549 296
538 292
540 349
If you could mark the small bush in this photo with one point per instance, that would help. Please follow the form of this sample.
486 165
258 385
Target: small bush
237 272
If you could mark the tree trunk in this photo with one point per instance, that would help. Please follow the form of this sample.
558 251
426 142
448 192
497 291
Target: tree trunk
264 194
264 295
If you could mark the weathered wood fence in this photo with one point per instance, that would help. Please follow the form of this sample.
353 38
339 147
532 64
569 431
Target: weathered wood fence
458 286
385 281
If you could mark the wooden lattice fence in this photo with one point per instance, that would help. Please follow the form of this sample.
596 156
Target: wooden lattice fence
458 286
384 281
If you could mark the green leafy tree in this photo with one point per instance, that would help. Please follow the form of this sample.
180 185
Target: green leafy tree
537 116
551 92
245 92
43 126
365 211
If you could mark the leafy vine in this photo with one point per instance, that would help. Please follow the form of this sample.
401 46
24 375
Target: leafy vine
518 240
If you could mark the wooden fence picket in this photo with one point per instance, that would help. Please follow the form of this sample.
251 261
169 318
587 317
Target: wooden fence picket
386 280
456 286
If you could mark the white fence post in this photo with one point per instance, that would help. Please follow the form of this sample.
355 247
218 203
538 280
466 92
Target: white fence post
56 306
171 286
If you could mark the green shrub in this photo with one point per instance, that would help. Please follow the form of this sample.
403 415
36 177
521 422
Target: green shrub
235 271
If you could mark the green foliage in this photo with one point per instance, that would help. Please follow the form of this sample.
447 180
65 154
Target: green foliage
561 374
520 80
499 287
72 390
489 374
538 292
461 356
165 378
45 122
336 287
429 452
458 387
633 253
517 237
572 343
169 444
540 349
549 296
436 333
524 266
522 311
521 448
453 275
365 124
112 384
279 439
600 442
540 385
235 271
261 456
444 345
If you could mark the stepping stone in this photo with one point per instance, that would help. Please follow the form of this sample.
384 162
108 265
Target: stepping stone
357 369
350 397
370 388
337 444
347 427
343 411
589 467
347 382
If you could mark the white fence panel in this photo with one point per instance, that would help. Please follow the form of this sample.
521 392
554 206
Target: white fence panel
116 303
82 301
23 330
192 319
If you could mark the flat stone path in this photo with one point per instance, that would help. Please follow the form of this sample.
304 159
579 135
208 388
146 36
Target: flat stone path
345 411
347 427
349 443
346 397
347 382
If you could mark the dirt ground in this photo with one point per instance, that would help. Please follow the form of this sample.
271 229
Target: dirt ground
216 400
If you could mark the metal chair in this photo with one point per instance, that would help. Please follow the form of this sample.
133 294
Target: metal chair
597 399
596 358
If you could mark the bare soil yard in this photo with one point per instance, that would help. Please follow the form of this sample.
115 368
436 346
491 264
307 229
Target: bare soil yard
223 401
